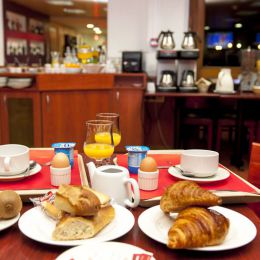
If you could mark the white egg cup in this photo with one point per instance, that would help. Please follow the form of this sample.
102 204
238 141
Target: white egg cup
148 180
60 176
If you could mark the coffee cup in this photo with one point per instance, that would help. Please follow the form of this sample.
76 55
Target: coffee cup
14 159
115 182
201 163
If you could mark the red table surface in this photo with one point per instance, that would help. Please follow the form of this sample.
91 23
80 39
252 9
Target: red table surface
165 179
42 179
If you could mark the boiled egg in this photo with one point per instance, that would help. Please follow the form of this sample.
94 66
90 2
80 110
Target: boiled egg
60 160
148 164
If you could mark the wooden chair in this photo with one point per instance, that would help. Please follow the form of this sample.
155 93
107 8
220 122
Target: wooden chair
254 172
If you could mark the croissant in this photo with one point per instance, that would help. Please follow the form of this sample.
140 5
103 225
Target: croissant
197 227
183 194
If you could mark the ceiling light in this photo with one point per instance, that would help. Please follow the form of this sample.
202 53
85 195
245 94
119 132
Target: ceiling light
60 2
239 45
230 45
96 28
206 28
98 32
73 11
258 46
218 47
238 25
90 25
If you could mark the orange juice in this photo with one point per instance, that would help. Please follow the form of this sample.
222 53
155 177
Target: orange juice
104 137
98 151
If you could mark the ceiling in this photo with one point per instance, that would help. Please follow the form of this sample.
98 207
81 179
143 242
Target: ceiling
224 14
95 13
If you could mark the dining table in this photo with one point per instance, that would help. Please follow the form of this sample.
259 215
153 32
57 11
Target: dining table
15 245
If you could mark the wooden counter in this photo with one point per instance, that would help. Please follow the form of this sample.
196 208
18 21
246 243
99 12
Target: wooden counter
56 107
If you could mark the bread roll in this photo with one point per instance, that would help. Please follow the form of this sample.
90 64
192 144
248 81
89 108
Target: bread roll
51 210
77 200
73 228
198 227
183 194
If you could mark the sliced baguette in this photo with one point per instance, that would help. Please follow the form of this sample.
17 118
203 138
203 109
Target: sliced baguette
80 200
73 228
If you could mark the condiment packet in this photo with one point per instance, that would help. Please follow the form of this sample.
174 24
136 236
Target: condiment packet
49 196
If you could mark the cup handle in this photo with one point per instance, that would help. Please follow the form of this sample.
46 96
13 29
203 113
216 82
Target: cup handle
7 161
136 193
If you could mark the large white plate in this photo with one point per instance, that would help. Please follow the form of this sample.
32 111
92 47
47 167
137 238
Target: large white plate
155 224
102 251
37 168
221 175
36 225
6 223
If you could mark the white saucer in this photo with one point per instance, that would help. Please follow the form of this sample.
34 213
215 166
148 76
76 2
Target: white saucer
221 174
224 92
6 223
37 168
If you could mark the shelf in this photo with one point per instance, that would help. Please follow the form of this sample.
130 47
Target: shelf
24 35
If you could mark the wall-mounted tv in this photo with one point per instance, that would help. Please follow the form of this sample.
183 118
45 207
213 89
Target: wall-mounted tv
257 38
222 39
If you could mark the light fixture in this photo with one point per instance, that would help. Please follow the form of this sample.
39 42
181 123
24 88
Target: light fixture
60 2
258 46
230 45
206 28
96 29
238 25
74 11
239 45
90 25
218 47
98 32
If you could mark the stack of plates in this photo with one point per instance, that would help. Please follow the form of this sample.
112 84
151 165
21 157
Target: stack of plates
3 81
19 82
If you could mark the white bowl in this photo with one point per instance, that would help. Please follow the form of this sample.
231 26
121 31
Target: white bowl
73 70
201 163
92 68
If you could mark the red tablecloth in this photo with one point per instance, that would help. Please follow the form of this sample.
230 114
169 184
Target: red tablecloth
165 179
42 179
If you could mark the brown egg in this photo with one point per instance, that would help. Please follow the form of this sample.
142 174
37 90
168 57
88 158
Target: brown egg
148 164
60 160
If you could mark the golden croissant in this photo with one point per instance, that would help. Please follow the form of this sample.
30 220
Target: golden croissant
184 194
197 227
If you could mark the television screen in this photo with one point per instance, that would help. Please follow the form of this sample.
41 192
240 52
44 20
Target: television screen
222 39
257 38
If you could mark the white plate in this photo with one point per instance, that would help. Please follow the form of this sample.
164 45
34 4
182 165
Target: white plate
37 168
102 251
155 224
221 175
36 225
224 92
6 223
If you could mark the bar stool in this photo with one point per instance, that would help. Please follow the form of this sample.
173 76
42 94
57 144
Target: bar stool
197 112
229 125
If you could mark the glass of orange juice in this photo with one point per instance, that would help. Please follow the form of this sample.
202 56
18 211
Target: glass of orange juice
95 147
114 117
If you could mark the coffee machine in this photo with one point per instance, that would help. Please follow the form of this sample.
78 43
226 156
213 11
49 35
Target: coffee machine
187 70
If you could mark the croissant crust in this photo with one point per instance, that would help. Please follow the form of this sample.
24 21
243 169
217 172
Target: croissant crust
184 194
197 227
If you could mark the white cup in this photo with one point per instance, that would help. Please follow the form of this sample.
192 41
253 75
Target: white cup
14 159
60 176
201 163
115 182
151 87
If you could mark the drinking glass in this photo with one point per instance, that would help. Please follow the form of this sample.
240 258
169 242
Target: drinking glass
99 143
114 117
